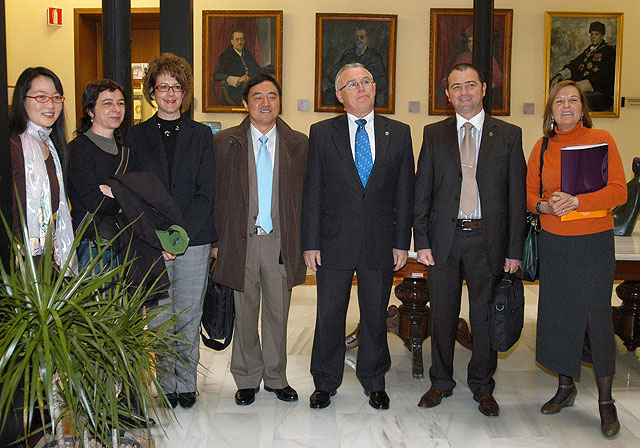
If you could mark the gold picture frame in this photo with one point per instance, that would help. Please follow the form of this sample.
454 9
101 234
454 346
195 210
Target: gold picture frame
336 45
225 71
570 50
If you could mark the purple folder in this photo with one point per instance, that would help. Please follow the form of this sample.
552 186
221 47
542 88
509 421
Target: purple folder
584 168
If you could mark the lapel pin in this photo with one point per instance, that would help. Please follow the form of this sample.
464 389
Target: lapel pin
490 134
386 132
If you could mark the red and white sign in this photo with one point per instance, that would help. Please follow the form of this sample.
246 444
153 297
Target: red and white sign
54 16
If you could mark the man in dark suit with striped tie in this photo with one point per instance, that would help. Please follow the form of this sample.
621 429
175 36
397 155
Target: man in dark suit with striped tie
469 224
356 217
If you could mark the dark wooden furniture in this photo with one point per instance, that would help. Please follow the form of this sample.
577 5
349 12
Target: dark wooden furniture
626 317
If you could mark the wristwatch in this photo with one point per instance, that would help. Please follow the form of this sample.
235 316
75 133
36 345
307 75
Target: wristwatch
538 206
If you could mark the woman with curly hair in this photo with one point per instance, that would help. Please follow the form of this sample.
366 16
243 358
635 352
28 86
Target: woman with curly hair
179 151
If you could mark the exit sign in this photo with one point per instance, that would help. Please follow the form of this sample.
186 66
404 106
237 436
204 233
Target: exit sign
54 16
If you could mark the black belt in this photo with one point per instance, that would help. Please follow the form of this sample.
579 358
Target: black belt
469 224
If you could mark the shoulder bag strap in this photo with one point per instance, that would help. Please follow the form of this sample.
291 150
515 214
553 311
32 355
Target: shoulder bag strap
124 161
545 143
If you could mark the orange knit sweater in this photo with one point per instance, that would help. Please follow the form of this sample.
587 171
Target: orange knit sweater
615 193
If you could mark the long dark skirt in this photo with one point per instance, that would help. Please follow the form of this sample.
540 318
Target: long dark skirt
576 278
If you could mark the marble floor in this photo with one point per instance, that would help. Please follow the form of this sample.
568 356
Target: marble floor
521 388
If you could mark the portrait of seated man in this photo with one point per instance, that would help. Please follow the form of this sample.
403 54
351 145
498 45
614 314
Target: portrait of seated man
235 66
372 60
593 70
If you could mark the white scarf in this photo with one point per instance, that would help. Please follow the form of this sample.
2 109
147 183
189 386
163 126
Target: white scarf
38 198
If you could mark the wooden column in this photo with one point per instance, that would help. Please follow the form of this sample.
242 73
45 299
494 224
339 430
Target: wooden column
483 44
116 49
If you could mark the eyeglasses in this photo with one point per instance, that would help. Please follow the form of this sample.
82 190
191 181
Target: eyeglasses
58 99
166 87
353 85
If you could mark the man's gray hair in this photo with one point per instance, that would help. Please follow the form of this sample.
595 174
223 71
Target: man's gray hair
346 67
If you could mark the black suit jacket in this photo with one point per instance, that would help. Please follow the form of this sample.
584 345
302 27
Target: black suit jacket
192 172
339 214
501 174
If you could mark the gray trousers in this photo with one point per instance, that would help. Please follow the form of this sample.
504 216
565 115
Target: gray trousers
188 277
251 360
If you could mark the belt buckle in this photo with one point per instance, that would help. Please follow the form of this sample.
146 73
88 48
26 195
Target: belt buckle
463 225
257 230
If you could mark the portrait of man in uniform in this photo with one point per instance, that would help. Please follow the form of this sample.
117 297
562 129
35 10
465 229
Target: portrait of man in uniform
586 49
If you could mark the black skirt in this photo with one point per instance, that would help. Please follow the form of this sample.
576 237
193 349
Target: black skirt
576 279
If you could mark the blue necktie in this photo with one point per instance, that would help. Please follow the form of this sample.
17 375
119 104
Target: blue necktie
364 161
264 172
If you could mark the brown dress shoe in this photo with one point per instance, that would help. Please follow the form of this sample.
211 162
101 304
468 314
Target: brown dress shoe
433 397
488 405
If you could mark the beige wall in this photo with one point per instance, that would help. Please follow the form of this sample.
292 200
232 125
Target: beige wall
31 42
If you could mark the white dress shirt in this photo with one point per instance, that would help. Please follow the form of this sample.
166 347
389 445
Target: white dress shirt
477 121
353 127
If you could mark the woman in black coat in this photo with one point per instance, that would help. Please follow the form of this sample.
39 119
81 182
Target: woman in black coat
179 151
96 154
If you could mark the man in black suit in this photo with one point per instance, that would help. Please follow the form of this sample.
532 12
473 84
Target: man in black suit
469 224
356 217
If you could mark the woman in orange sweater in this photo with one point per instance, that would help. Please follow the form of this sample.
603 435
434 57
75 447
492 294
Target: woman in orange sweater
577 261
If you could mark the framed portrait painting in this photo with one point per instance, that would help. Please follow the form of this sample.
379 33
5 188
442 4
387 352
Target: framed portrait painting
451 43
586 48
369 39
237 45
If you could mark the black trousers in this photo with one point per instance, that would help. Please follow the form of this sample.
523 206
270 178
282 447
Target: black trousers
327 356
467 260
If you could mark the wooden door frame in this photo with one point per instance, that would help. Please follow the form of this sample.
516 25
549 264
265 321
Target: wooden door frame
141 18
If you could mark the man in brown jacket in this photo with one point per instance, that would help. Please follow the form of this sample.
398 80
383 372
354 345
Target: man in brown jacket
257 212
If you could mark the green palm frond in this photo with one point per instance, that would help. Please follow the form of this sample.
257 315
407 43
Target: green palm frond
88 330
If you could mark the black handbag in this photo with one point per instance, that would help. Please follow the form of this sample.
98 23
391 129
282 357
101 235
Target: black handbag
506 313
529 262
218 313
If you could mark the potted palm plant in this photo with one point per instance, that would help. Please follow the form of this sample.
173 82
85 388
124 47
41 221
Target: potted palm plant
77 347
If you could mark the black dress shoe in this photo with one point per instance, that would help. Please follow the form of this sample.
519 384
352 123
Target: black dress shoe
245 397
320 399
172 398
285 394
378 399
187 399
